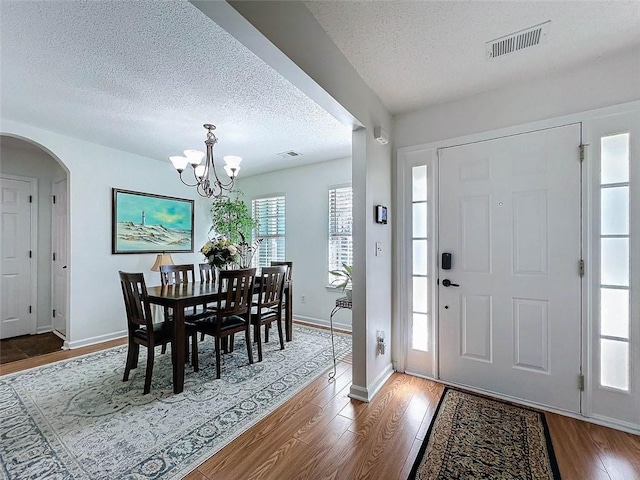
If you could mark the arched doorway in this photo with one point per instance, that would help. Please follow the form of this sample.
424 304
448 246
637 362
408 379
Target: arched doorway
34 248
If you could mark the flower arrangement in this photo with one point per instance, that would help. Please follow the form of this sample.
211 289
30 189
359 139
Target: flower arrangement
220 252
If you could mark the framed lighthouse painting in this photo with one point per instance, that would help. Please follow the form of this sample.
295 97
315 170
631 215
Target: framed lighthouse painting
148 223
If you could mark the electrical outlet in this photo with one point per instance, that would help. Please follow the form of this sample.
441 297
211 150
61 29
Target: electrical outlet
303 299
380 341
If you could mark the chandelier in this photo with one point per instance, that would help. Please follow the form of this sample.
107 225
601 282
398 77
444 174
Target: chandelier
206 179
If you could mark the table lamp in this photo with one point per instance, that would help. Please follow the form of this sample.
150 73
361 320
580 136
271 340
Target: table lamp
162 259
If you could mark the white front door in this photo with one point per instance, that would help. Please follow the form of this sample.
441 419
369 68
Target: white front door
59 269
510 216
16 312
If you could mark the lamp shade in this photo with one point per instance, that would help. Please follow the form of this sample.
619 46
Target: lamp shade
194 156
232 161
162 259
230 172
179 163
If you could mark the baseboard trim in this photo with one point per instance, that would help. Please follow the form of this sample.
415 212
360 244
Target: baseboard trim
366 394
359 393
93 340
324 323
45 329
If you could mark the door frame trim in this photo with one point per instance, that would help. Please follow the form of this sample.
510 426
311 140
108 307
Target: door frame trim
33 246
52 292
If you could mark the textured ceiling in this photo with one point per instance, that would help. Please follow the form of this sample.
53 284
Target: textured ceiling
420 53
143 76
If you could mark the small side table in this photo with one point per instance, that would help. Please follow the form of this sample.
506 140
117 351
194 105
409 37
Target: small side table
342 302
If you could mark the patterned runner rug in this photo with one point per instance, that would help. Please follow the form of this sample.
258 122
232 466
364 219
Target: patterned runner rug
473 437
78 419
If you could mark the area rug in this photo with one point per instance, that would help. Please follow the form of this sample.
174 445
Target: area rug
473 437
78 419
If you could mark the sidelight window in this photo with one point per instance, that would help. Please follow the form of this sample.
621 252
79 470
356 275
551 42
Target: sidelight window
420 237
614 262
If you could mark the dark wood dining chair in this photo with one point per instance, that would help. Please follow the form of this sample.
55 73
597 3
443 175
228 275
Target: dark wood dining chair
207 275
233 310
175 275
289 266
269 306
143 331
287 296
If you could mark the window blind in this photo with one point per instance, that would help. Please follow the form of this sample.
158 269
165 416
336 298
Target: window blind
340 228
270 214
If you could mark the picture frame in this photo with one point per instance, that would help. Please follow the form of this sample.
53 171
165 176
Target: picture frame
149 223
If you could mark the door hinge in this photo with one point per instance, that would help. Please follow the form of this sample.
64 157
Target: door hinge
54 256
30 253
583 148
53 197
29 308
30 198
581 382
54 313
581 267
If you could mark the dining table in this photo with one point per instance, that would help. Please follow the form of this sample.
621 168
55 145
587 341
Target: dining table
180 296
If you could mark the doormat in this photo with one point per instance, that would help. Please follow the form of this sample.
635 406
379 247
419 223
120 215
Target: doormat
473 437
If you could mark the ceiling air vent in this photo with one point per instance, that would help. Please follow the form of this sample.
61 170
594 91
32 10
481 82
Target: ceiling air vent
289 154
526 38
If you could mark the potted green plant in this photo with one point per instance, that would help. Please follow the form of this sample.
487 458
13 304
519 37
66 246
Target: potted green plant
231 218
343 281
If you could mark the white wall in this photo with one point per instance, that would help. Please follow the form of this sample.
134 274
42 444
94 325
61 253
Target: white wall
29 162
96 310
609 81
287 36
307 232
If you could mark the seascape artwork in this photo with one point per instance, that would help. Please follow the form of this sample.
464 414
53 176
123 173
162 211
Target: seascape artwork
147 223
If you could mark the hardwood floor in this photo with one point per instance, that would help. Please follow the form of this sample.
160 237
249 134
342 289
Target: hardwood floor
323 434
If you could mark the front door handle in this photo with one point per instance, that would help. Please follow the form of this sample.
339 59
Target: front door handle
447 283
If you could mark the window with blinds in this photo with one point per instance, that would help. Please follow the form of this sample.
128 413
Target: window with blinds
340 228
269 212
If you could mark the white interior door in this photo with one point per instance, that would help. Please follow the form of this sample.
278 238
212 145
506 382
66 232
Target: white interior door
17 315
59 269
510 215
